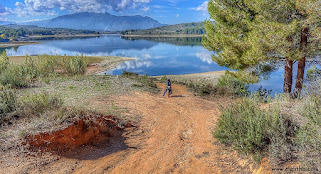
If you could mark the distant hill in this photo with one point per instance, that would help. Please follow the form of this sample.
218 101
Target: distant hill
6 22
98 22
185 28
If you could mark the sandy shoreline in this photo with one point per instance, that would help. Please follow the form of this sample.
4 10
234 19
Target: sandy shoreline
108 63
206 77
17 44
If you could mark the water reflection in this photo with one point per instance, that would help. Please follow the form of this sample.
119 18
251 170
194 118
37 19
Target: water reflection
205 56
181 41
97 46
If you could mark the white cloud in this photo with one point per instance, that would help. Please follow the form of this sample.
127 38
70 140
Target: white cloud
177 15
48 7
145 9
205 56
3 19
128 65
4 10
158 6
202 7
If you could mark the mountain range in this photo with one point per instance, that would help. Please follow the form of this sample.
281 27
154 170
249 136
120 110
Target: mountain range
6 22
98 22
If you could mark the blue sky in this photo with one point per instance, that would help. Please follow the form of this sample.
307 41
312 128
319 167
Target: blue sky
165 11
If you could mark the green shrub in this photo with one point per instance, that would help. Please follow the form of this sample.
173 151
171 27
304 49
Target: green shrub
236 86
4 62
47 65
242 125
308 137
41 66
36 104
262 95
313 73
8 100
144 79
164 78
312 109
11 74
14 76
75 65
129 74
252 130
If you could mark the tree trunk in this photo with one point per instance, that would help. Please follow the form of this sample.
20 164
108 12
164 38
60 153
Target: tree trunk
287 87
299 78
301 65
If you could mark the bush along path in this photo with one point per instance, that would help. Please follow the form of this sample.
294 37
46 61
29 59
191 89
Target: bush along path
172 135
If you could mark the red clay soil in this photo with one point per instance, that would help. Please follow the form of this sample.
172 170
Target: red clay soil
90 130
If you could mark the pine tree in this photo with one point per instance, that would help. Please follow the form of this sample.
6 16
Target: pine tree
247 33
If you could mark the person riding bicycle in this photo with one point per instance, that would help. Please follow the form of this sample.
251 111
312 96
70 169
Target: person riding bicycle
168 88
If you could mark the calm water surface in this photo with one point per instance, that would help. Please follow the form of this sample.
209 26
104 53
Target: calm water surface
153 56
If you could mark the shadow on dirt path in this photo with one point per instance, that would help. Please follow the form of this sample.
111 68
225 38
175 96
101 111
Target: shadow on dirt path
97 151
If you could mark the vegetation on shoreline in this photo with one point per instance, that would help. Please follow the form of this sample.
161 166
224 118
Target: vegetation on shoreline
15 32
183 41
178 29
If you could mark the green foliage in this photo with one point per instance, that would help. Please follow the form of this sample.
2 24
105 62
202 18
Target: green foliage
36 104
14 76
11 74
247 32
129 74
228 86
262 95
41 66
313 73
47 65
182 41
75 65
16 31
242 125
144 80
309 136
312 109
252 130
164 78
8 100
237 86
186 28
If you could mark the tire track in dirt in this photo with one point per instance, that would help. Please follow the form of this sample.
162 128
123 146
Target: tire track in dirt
174 135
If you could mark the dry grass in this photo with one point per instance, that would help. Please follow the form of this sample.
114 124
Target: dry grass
91 59
21 59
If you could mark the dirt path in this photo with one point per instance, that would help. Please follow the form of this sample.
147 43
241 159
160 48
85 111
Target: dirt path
173 135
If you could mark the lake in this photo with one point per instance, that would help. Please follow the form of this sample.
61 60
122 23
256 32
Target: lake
153 56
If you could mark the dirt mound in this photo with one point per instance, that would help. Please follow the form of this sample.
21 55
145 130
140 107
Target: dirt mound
89 130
